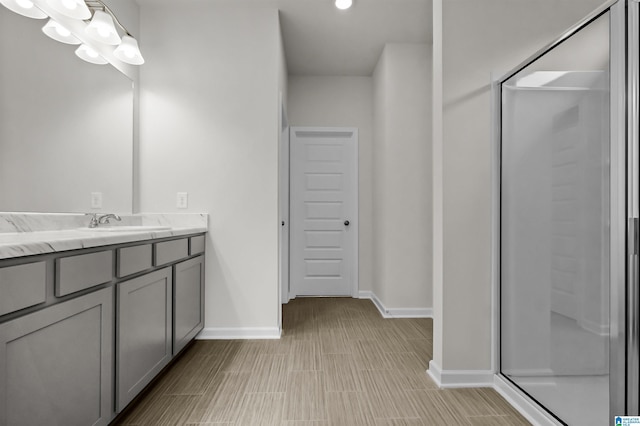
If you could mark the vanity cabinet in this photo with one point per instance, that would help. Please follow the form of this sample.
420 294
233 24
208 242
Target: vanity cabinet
83 332
188 303
56 364
144 332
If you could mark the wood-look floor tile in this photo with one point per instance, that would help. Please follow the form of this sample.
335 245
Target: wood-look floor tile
243 357
401 422
218 348
357 329
263 409
164 410
349 408
339 362
191 376
334 341
407 361
221 401
422 348
498 403
269 373
388 404
389 341
475 402
395 380
305 355
368 355
305 397
341 373
408 329
498 421
433 409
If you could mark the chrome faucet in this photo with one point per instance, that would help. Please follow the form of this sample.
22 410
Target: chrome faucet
101 219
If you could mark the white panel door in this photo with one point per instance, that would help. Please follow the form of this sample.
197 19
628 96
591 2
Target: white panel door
323 211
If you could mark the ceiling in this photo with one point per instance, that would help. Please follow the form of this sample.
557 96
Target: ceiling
320 39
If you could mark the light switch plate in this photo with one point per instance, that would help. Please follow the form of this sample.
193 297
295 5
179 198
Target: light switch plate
96 200
182 200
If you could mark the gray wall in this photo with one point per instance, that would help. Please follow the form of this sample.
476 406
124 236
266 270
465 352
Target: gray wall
209 126
477 38
402 178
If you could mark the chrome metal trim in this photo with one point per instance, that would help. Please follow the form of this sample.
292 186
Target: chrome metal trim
633 296
571 31
496 186
618 212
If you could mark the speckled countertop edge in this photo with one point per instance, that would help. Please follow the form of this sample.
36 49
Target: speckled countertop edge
40 240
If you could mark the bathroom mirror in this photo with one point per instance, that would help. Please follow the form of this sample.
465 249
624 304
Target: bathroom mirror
66 126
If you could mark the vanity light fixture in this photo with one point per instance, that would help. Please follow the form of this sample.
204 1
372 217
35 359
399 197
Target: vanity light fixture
344 4
24 7
98 30
76 9
128 51
102 29
59 33
87 53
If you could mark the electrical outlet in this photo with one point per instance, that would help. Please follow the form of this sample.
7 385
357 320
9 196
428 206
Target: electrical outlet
96 200
182 200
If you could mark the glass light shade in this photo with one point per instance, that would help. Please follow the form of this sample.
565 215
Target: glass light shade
59 33
101 28
86 53
344 4
128 51
76 9
24 8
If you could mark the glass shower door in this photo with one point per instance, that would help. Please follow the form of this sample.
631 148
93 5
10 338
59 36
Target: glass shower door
555 236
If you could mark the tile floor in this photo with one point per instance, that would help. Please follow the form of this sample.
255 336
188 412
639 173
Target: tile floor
338 363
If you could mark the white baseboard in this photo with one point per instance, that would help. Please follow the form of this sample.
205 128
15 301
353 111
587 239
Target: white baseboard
396 312
479 378
529 410
239 333
435 373
460 378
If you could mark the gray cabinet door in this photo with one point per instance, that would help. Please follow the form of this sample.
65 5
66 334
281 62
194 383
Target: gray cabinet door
144 332
188 313
56 364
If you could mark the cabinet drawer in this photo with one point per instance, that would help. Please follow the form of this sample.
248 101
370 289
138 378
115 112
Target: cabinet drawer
170 251
134 259
22 286
80 272
197 245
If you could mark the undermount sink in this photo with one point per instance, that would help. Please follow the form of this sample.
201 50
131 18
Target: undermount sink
126 228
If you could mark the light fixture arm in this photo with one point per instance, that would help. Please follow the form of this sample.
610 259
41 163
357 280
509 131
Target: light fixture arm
94 5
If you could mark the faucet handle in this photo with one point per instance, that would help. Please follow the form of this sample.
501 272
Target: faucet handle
93 222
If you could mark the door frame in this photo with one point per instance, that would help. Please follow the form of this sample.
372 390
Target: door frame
354 267
283 208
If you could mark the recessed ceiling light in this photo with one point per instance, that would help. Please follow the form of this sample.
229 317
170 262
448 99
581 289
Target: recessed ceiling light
343 4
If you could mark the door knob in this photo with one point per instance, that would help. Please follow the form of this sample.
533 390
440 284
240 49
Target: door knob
282 223
346 223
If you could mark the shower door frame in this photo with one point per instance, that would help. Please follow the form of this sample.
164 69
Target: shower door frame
624 84
633 136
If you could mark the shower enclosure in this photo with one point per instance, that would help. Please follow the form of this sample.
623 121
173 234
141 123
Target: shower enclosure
567 221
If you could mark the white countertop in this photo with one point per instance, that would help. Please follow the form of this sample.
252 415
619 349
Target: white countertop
41 240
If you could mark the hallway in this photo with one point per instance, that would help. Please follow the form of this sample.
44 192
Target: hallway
338 363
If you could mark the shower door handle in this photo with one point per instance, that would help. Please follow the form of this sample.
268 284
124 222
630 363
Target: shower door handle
633 237
633 322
